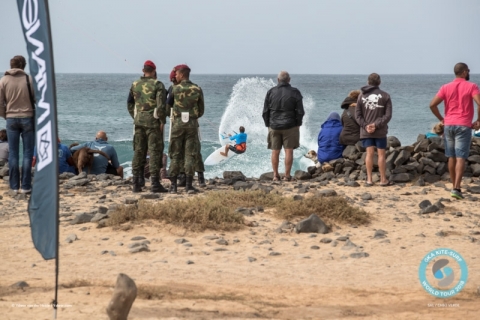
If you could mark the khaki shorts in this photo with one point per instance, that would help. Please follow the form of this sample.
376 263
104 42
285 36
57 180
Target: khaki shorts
288 138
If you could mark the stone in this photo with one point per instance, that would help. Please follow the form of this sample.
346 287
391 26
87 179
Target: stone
20 284
314 247
130 201
141 248
357 255
267 176
402 157
102 209
235 175
312 224
302 175
138 238
81 218
123 297
245 211
393 142
401 177
150 196
437 156
474 158
430 209
211 237
474 189
251 259
273 253
349 151
325 240
424 204
380 234
366 196
98 217
326 193
181 240
222 242
71 237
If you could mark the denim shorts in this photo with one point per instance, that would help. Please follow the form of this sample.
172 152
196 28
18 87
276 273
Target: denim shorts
380 143
457 141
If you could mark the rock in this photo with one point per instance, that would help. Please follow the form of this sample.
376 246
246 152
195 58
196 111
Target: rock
314 247
393 142
349 245
138 244
137 238
267 176
123 297
475 158
82 218
302 175
261 187
402 157
366 196
98 217
102 209
211 237
474 189
312 224
222 242
326 193
357 255
181 240
190 262
401 177
380 234
430 209
20 284
349 152
140 248
150 196
71 237
234 175
342 238
297 197
242 185
273 253
420 182
251 259
424 204
353 184
245 211
131 201
325 240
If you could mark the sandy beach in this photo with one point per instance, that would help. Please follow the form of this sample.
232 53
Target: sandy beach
257 272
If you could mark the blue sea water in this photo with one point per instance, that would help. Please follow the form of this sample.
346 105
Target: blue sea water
91 102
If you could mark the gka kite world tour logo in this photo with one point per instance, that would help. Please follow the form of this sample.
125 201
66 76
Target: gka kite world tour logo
31 24
443 273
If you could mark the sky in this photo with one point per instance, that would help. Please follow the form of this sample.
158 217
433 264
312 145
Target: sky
256 36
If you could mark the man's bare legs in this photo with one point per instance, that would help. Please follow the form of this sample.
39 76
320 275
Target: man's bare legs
369 163
275 160
288 161
456 167
382 165
225 154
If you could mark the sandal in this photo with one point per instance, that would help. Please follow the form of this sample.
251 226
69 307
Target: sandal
368 184
285 178
276 178
389 183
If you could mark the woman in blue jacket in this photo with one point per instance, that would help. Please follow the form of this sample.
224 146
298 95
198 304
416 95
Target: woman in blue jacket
329 147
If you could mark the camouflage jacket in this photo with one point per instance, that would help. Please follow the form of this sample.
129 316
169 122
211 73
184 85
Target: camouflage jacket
187 98
147 107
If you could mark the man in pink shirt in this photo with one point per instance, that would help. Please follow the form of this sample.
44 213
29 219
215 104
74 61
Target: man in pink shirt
457 97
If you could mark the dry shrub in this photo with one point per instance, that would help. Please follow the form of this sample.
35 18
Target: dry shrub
77 283
330 209
216 210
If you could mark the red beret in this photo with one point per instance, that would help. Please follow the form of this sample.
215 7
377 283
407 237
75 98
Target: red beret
150 64
181 66
172 74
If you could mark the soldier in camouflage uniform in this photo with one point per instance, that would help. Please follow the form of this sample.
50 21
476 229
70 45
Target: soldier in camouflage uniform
149 112
188 106
199 166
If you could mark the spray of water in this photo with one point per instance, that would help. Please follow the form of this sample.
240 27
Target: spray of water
245 108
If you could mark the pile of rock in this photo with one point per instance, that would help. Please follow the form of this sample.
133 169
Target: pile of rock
425 160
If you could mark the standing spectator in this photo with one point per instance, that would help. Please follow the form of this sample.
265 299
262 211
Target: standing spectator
373 112
17 106
283 113
3 147
148 112
459 112
187 107
351 130
329 147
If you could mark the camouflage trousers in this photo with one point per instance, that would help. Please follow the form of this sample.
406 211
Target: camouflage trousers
198 164
183 150
150 139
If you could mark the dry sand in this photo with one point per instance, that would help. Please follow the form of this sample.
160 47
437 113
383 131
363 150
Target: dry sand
300 283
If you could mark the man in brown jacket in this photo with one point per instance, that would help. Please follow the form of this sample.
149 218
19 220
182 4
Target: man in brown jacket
373 112
17 106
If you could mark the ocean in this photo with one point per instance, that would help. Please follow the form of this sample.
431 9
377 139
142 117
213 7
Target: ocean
88 103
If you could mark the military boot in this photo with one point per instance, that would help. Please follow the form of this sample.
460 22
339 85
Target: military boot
189 187
201 180
182 182
173 185
141 178
156 185
136 185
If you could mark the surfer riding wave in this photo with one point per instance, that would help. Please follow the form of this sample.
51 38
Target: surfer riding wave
240 143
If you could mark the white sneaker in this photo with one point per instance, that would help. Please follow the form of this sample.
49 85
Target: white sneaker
26 191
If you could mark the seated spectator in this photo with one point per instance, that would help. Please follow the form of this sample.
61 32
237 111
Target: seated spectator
437 131
3 147
351 130
100 163
329 147
65 161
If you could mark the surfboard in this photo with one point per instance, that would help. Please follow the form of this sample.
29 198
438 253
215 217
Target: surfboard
215 157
